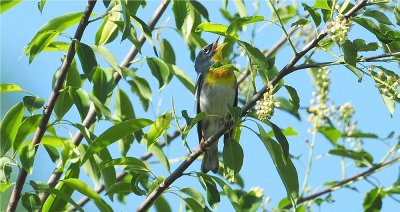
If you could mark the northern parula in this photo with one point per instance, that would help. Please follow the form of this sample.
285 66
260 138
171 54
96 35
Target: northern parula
216 88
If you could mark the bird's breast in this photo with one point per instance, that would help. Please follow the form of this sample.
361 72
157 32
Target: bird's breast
215 98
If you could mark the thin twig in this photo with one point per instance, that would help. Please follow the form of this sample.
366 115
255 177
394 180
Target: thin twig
347 181
19 184
331 63
192 157
91 116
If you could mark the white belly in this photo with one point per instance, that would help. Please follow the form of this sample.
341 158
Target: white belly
214 99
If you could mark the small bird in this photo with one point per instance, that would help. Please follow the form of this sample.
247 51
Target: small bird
216 88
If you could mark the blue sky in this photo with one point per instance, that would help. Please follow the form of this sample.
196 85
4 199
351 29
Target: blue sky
19 24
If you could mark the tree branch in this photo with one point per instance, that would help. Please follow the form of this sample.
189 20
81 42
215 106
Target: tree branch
361 59
91 116
16 193
189 160
347 181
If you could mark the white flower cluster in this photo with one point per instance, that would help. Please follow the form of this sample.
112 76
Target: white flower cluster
258 192
339 28
346 111
344 117
266 105
387 84
319 108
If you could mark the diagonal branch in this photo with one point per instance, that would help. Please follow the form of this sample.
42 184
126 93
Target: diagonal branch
347 181
192 157
16 193
91 115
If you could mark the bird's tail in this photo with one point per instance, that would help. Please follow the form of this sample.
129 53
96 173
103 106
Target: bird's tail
210 159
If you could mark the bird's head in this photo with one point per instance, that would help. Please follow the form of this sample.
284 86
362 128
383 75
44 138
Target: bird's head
208 56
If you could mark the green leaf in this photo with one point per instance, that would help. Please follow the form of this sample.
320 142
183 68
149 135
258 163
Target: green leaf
219 29
41 5
103 85
144 28
167 52
350 53
286 169
384 35
27 157
233 158
158 128
257 57
32 103
108 29
115 133
160 155
127 20
9 127
5 186
81 100
84 189
379 16
108 57
61 195
53 153
133 163
331 133
316 17
239 22
196 195
281 139
390 103
30 201
396 12
162 205
200 9
41 42
10 88
209 185
141 87
193 204
123 110
362 158
241 8
286 13
321 4
48 32
87 58
190 122
183 77
360 45
119 188
160 70
100 108
8 4
359 134
180 10
27 127
57 46
373 200
136 179
229 192
5 170
63 104
90 166
294 98
300 22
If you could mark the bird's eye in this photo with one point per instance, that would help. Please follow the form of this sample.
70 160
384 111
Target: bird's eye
206 50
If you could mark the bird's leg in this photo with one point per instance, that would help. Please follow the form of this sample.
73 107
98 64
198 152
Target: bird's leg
202 145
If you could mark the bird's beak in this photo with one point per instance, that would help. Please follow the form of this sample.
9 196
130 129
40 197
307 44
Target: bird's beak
217 50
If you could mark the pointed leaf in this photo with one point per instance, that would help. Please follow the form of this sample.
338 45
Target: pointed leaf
158 128
27 157
32 103
87 59
84 189
27 127
115 133
9 127
10 88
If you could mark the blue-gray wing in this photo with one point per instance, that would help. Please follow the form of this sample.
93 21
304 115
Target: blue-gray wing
197 103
